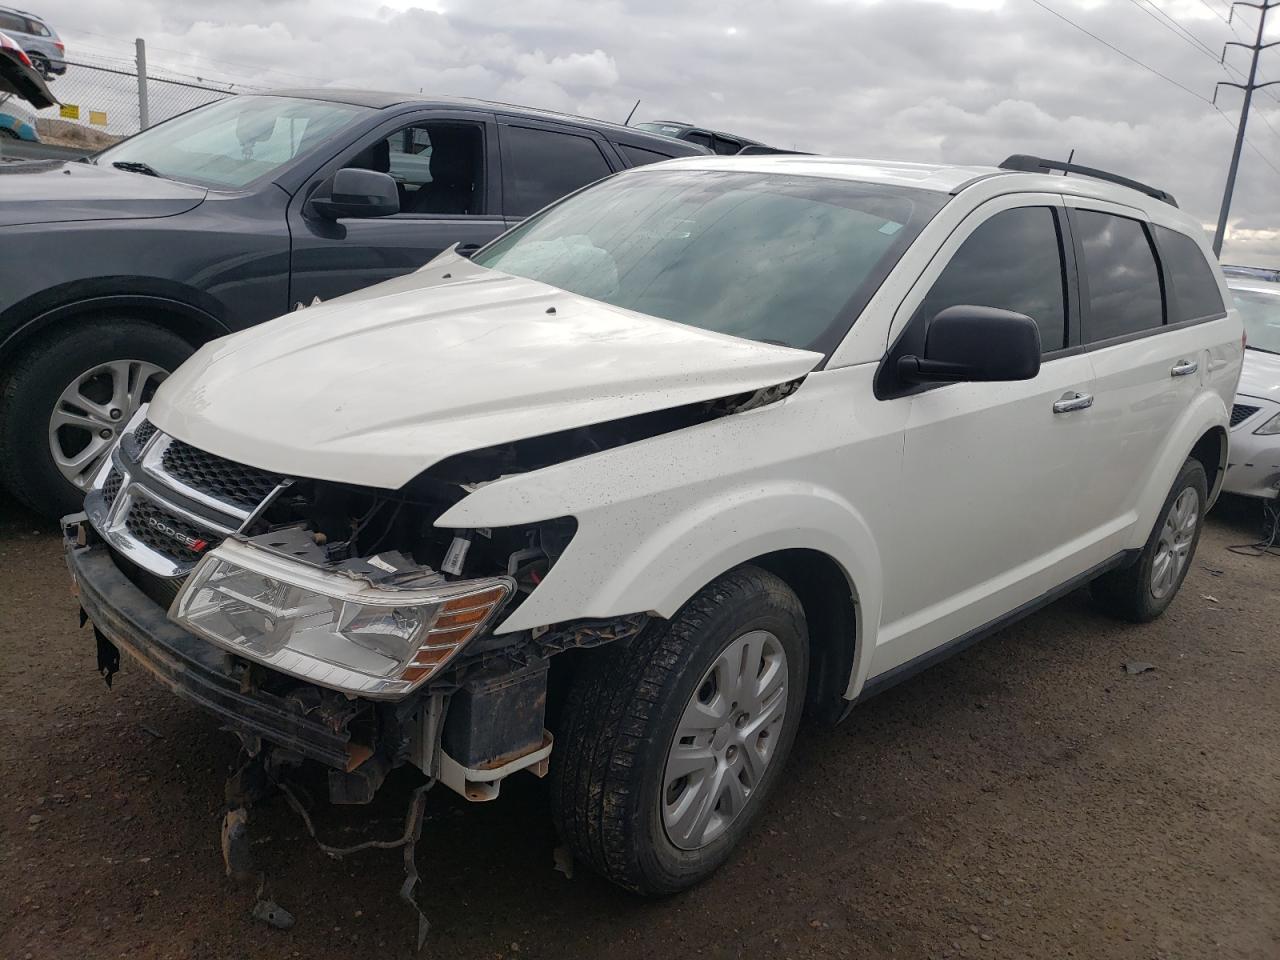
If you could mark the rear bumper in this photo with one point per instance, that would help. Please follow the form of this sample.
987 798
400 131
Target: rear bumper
190 667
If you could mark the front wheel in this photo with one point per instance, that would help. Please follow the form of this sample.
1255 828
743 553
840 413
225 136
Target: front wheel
1142 591
66 401
670 743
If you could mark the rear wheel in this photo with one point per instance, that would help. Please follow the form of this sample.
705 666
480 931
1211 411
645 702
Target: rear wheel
66 400
1142 591
670 744
40 64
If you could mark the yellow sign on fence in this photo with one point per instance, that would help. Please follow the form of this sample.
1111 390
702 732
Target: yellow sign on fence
70 111
99 117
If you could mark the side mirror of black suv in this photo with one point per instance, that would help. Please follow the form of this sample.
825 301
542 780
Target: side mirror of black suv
978 344
359 193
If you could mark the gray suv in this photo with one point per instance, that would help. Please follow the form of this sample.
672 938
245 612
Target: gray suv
39 41
113 271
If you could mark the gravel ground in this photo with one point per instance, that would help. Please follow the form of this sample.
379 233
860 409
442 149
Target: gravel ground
1027 798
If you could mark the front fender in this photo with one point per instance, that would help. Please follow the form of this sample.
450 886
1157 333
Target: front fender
653 554
1207 412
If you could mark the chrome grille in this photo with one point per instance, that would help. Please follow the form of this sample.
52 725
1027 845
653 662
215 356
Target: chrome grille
168 533
1242 412
145 431
163 504
111 489
226 480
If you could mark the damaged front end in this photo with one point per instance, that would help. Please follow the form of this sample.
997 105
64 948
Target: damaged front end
323 621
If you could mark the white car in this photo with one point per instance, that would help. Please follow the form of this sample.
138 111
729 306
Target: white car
1254 470
705 447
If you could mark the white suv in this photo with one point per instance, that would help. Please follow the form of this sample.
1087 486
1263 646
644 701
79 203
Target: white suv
706 446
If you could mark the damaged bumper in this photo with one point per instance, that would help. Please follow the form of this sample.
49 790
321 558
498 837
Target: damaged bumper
192 668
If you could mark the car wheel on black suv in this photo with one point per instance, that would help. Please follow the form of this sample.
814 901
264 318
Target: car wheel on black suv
66 400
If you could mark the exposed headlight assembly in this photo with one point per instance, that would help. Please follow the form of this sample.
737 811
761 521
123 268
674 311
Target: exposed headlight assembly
329 628
1270 428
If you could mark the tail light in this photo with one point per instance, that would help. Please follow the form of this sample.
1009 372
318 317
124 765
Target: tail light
62 47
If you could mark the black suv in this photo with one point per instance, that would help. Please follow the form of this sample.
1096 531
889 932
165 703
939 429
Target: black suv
115 269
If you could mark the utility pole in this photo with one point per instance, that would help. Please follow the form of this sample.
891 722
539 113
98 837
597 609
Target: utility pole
144 111
1257 47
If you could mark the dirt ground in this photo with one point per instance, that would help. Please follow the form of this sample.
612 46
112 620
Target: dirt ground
1027 798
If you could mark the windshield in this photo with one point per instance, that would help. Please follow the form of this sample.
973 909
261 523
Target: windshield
1261 314
769 257
233 142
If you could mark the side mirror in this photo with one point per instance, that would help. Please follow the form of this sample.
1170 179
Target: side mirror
975 344
359 193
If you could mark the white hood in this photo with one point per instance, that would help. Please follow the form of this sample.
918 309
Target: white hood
374 387
1260 376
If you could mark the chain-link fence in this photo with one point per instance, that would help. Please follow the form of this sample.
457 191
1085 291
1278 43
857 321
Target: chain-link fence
101 104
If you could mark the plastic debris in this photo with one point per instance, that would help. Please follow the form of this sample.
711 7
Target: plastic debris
273 915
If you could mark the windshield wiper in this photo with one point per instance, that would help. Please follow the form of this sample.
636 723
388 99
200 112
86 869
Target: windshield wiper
136 166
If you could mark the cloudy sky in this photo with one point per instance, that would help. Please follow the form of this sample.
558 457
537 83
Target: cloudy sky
937 80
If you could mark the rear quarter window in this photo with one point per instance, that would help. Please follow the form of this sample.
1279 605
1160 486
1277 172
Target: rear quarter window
1195 288
639 156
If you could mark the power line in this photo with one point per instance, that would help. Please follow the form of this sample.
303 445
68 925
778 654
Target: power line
1249 143
1174 27
1263 117
1214 11
1127 56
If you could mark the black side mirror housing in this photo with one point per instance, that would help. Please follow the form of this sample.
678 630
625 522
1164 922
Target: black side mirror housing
979 344
359 193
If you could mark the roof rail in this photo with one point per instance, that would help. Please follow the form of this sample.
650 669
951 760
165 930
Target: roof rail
1029 164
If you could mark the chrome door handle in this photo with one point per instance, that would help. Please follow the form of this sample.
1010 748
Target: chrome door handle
1184 368
1073 401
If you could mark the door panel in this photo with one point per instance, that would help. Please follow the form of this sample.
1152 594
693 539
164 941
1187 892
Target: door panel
1145 372
331 258
992 511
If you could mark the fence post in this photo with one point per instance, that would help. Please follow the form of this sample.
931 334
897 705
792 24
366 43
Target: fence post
144 119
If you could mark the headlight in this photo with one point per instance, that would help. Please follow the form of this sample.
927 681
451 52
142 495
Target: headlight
329 628
1270 428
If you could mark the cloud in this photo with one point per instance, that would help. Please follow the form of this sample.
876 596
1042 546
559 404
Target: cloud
943 80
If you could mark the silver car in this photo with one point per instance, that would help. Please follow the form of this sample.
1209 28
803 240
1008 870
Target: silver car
39 40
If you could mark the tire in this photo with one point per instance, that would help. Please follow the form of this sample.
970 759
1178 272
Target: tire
36 381
1136 592
621 719
40 64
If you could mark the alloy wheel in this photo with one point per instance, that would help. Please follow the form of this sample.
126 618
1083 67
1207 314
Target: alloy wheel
725 740
1174 544
93 410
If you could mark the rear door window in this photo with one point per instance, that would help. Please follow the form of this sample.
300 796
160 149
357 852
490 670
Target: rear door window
1121 278
539 166
1195 294
10 23
1013 261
